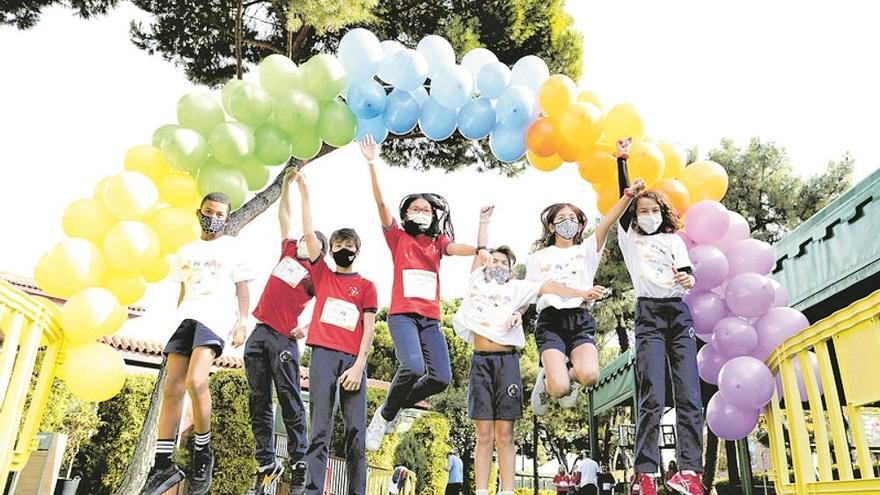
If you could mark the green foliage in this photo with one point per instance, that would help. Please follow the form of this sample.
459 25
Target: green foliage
25 15
71 416
423 449
104 457
531 491
324 17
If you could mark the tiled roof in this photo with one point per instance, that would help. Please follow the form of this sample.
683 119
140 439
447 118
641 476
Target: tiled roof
29 286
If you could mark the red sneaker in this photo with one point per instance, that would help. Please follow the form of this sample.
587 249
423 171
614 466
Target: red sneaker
686 484
642 484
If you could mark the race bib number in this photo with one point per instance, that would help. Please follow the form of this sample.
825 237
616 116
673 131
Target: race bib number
340 313
290 271
420 284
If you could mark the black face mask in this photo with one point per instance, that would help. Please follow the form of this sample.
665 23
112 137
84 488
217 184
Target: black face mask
344 257
413 228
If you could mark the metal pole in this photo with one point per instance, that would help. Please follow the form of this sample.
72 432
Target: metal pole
744 465
535 477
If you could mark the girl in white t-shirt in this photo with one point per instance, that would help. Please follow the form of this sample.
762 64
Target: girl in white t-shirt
565 328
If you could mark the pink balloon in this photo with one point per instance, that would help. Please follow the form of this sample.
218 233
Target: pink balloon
706 310
774 327
738 230
727 421
749 294
751 255
746 383
734 337
802 387
709 363
688 242
706 221
780 295
710 266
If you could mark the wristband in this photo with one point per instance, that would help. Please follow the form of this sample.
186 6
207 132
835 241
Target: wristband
479 248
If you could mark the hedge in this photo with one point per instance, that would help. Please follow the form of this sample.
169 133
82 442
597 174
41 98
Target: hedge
76 418
423 449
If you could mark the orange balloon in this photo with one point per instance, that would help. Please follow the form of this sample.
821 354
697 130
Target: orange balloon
645 162
542 137
598 164
705 179
570 152
623 121
588 96
674 157
578 123
544 163
675 192
556 94
605 201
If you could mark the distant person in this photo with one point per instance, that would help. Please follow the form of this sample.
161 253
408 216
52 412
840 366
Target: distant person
562 481
455 468
398 480
587 470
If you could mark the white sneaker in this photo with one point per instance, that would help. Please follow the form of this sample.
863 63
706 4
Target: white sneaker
376 431
391 427
571 399
540 399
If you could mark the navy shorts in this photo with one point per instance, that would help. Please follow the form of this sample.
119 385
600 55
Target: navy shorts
495 386
564 329
191 334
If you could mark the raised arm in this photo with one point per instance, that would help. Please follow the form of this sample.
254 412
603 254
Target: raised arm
370 150
615 213
309 236
285 208
483 234
622 155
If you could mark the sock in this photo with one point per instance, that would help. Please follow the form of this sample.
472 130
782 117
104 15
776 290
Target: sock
164 449
505 493
202 439
689 472
481 492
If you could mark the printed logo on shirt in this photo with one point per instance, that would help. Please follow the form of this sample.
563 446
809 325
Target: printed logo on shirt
353 291
513 391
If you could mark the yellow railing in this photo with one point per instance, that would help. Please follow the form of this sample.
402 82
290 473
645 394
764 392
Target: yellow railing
825 446
26 326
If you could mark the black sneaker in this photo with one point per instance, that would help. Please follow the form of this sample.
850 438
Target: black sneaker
161 480
202 466
298 477
268 478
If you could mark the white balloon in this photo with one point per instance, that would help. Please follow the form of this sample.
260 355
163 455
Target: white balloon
475 59
452 86
408 69
437 51
389 49
360 53
529 71
420 94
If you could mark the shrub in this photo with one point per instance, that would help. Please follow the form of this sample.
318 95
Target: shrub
71 416
423 449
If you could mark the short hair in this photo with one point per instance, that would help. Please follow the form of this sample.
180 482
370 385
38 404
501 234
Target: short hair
325 244
346 234
218 197
506 251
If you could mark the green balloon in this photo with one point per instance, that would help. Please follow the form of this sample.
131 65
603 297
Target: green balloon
250 104
324 76
215 163
256 174
295 110
230 142
306 143
199 112
337 125
230 86
278 74
163 134
228 181
186 150
272 144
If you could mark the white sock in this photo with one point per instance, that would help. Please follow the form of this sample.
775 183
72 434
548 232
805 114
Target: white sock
505 493
689 472
202 439
482 492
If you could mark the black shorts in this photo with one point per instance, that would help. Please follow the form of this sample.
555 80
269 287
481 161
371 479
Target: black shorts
191 334
564 329
495 386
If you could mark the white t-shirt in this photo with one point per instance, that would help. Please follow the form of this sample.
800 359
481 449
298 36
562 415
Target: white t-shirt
589 470
650 258
209 271
487 307
573 267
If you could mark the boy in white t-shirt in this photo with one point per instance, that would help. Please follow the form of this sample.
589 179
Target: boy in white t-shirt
213 302
489 318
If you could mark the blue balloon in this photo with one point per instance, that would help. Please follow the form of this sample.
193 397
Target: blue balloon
452 86
366 99
477 118
507 143
401 112
437 121
492 79
516 106
376 127
408 69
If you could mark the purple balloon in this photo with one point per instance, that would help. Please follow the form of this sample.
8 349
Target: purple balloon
751 255
746 383
705 337
710 266
749 294
738 230
688 242
802 387
706 221
727 421
707 309
709 363
774 327
780 295
734 337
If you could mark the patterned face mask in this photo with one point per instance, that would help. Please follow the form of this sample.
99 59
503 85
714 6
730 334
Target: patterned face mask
211 225
567 228
500 274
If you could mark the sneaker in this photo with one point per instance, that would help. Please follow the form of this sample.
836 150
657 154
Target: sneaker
686 484
298 478
376 431
202 467
391 427
540 399
571 399
267 478
642 484
161 480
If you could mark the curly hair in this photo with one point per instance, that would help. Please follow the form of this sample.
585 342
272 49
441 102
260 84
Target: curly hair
671 219
548 237
442 222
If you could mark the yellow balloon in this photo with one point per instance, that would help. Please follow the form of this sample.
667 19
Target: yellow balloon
157 270
588 96
148 160
645 162
674 157
130 195
98 194
556 94
675 192
544 164
131 246
90 314
93 372
71 266
178 189
579 124
87 218
175 227
598 164
623 121
705 179
127 288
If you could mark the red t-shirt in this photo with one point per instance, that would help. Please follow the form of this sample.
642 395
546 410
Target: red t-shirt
341 299
287 291
416 260
562 482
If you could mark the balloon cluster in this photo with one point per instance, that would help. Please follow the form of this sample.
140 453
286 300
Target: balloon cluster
741 314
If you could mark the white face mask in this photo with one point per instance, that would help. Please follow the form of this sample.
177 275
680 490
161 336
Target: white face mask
649 223
302 250
422 219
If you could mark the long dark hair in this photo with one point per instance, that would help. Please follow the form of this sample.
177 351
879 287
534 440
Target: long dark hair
442 222
548 237
671 220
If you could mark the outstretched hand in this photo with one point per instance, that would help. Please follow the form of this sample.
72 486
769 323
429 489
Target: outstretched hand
486 213
369 148
637 186
623 148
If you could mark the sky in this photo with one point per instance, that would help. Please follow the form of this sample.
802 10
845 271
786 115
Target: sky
76 94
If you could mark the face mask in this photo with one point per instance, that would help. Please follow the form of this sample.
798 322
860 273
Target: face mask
418 223
500 274
649 223
344 257
211 225
302 250
567 228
